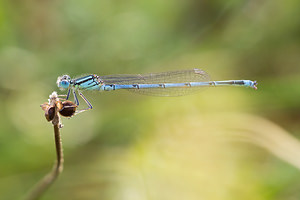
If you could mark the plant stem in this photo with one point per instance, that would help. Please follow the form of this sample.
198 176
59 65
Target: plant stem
45 183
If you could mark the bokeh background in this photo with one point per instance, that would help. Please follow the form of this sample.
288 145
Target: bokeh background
222 143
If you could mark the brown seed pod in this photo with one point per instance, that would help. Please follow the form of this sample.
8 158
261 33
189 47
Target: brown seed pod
68 109
49 111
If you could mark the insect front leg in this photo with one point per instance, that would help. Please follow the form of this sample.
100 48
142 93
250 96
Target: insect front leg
68 95
64 95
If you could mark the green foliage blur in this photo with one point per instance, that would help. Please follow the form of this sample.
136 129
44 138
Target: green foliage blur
226 143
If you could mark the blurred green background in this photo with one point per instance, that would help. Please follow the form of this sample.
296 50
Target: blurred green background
223 143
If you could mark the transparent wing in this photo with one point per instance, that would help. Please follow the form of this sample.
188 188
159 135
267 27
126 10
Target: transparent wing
183 76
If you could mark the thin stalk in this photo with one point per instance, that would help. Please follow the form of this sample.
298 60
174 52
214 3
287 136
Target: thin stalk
45 182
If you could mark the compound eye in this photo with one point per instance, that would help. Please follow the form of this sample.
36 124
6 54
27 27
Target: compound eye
64 84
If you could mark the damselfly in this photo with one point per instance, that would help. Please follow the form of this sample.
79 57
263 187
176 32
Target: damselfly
173 83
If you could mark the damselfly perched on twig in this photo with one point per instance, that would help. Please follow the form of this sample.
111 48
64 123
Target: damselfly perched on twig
173 83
